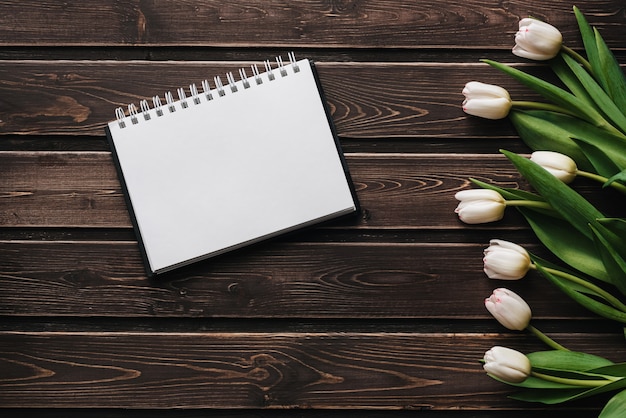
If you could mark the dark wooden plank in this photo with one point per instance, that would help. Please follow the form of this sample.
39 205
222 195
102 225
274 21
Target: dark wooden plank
292 413
272 280
368 100
265 370
255 23
399 191
39 188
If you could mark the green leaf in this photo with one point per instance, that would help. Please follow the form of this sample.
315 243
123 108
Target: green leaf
565 395
576 377
612 75
597 93
614 262
554 131
548 397
572 206
545 264
508 193
618 370
617 225
532 382
581 297
580 252
611 230
589 40
621 177
567 76
615 407
543 130
601 162
567 360
555 94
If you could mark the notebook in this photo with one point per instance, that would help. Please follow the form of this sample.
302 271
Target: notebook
230 163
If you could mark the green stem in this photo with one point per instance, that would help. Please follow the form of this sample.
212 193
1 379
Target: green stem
575 382
529 203
586 64
542 106
596 289
601 179
544 338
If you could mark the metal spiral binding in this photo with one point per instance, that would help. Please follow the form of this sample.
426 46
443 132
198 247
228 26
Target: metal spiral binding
161 109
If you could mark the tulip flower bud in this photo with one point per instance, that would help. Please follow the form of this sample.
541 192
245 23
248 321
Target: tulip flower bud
507 364
559 165
479 206
486 100
505 260
509 309
537 40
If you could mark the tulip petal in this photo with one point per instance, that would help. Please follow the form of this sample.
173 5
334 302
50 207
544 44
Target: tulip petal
479 194
507 364
476 89
481 212
488 108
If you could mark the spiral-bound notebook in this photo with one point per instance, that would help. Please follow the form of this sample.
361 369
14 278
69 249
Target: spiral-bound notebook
230 164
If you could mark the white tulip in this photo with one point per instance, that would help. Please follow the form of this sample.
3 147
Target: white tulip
480 206
507 364
505 260
537 40
559 165
486 100
509 309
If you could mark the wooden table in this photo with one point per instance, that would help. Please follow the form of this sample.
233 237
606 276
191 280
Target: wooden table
380 316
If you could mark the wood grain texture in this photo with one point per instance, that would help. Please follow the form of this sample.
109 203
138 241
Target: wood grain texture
406 191
330 24
263 370
368 100
372 317
273 280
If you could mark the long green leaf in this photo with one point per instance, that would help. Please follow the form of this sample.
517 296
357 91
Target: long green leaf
576 287
559 396
567 360
567 243
532 382
615 407
602 163
618 370
603 101
617 225
588 302
548 397
567 76
572 206
555 94
589 41
542 130
572 374
509 193
611 230
614 262
612 74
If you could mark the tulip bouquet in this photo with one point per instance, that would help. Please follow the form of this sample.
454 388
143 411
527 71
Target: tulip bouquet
580 130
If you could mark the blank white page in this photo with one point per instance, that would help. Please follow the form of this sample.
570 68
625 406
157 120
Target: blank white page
230 171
